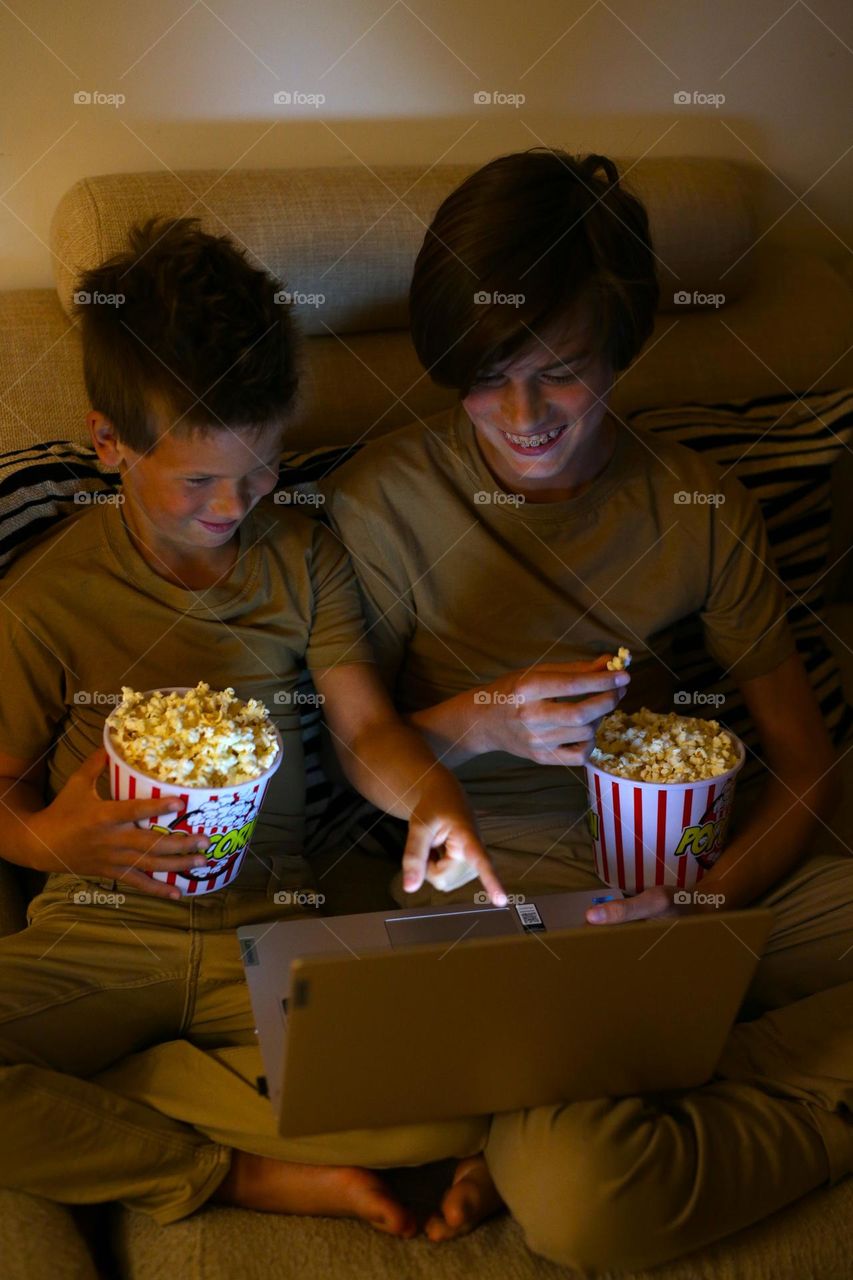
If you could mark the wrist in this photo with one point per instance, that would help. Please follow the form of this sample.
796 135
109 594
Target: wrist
453 728
476 715
440 791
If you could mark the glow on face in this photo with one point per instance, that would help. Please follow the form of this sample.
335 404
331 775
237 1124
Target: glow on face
538 411
192 491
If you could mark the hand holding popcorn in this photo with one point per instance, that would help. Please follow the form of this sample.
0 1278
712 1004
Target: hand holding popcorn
546 713
210 749
85 835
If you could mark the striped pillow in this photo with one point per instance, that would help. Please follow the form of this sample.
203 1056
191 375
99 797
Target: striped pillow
41 484
782 449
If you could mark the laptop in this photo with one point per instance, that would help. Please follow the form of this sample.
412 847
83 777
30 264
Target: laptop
429 1013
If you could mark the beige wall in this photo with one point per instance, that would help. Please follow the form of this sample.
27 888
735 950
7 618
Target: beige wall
399 79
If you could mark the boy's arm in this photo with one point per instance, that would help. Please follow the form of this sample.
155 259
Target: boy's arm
801 792
77 832
391 764
81 834
21 796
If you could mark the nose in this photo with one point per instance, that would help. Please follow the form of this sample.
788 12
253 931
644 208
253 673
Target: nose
227 504
522 406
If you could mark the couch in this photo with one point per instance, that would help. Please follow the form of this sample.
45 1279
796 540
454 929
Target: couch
343 242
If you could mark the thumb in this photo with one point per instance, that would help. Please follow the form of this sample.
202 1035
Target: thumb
92 767
419 841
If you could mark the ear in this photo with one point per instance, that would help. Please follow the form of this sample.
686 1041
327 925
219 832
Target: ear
107 445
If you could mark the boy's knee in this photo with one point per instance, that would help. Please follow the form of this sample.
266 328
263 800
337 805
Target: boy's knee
592 1185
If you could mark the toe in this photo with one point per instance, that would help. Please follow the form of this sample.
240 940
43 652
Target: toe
436 1229
383 1212
462 1205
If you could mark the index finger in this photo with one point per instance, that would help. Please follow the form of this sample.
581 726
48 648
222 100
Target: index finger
473 851
566 683
581 666
134 810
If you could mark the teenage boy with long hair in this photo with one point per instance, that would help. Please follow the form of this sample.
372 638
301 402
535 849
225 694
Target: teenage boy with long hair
504 549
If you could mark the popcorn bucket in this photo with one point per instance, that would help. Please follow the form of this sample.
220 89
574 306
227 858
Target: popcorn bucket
226 815
650 833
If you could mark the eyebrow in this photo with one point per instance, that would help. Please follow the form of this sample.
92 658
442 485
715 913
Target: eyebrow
210 475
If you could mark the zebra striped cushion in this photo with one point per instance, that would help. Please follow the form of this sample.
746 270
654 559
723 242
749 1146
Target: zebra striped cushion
40 485
783 450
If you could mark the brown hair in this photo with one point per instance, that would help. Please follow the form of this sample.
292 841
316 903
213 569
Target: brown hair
546 230
182 321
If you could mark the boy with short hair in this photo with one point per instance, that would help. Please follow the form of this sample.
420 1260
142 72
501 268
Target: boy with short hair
191 376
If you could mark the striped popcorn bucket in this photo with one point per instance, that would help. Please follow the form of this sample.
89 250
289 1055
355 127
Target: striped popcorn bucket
651 833
227 816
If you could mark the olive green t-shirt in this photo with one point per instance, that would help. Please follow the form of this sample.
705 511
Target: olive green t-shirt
462 585
85 614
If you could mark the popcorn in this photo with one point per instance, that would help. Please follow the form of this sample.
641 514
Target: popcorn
621 662
649 747
194 739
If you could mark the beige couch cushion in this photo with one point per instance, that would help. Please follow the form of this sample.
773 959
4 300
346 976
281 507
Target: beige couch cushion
351 234
812 1240
344 233
789 330
39 1238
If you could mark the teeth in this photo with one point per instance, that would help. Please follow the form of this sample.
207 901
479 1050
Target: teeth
533 442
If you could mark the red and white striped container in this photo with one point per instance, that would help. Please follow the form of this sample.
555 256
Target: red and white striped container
227 816
652 833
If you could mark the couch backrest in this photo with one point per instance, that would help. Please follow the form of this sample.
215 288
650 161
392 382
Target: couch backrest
351 234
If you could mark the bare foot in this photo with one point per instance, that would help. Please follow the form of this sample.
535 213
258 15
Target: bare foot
469 1200
325 1191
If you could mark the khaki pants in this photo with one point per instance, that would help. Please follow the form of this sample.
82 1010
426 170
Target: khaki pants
633 1182
626 1182
129 1058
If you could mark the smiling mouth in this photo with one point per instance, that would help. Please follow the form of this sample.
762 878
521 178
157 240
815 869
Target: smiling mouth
212 524
535 441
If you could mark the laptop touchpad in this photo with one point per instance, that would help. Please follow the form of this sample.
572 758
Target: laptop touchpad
408 931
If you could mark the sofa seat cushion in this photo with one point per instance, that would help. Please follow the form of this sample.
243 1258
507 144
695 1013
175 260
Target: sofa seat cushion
812 1238
40 1238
